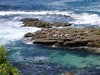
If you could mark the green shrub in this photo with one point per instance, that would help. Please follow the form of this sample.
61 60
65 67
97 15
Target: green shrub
5 67
3 55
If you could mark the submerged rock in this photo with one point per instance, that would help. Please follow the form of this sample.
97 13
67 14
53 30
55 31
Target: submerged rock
41 24
69 73
84 71
67 37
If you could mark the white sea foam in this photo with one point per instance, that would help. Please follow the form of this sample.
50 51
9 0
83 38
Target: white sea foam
28 40
3 13
11 31
34 58
13 34
40 58
86 18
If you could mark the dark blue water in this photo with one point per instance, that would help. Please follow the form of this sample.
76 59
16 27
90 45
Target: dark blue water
40 60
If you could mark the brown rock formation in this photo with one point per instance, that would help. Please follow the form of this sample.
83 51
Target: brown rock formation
67 37
69 73
41 24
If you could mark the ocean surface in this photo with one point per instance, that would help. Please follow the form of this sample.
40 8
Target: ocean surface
34 59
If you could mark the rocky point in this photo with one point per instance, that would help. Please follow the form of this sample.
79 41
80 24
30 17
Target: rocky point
41 24
88 38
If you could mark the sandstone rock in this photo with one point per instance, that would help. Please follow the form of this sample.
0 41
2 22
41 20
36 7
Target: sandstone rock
69 73
41 24
36 23
58 24
66 37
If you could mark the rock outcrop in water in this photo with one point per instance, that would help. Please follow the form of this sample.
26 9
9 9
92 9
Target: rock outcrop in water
88 38
68 37
41 24
69 73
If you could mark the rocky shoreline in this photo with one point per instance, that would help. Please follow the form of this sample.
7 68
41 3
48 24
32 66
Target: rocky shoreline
29 22
66 37
88 38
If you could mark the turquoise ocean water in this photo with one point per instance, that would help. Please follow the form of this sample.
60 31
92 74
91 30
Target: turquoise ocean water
40 60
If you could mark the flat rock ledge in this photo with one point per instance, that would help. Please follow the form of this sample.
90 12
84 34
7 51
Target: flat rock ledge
29 22
68 38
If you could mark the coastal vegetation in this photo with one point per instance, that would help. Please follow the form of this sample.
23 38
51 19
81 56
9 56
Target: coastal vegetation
5 67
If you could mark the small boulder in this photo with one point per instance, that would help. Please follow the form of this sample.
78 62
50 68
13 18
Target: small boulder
69 73
28 35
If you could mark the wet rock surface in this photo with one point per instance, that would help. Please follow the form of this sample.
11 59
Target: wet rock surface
67 37
69 73
41 24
